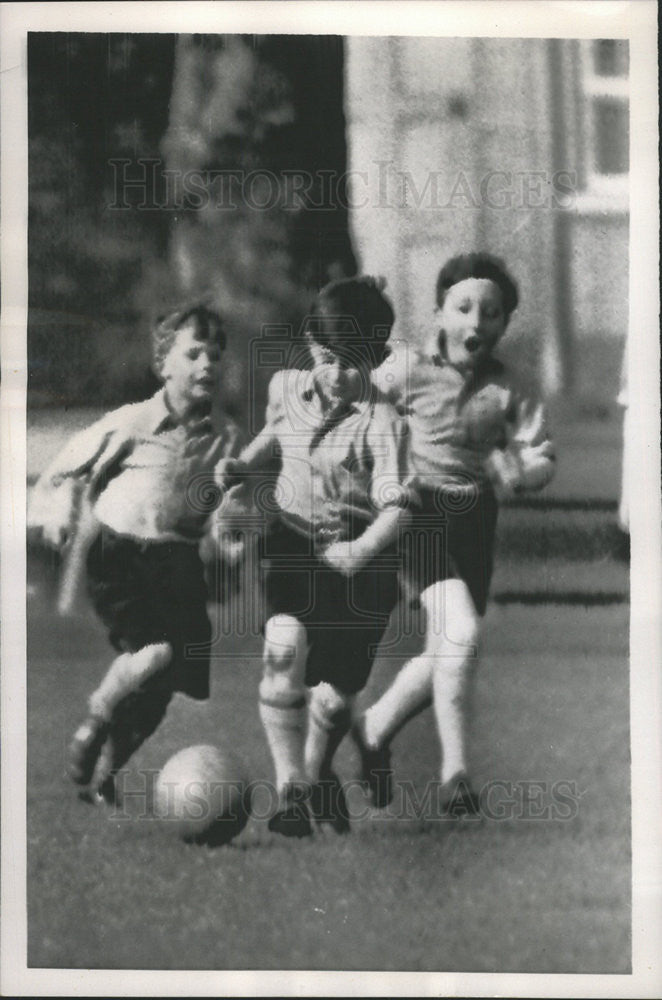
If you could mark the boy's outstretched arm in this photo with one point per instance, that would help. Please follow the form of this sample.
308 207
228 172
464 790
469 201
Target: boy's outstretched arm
259 455
56 496
528 460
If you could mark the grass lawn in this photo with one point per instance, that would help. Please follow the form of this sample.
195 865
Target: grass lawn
514 894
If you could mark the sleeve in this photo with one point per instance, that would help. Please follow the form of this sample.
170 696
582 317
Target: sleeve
56 494
387 442
276 398
529 443
391 376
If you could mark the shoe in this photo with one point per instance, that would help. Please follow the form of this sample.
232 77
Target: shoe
457 798
104 794
292 816
376 771
328 805
85 748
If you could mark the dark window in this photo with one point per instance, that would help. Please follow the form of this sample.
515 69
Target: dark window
610 57
611 133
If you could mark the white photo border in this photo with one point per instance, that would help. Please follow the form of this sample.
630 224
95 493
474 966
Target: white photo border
635 20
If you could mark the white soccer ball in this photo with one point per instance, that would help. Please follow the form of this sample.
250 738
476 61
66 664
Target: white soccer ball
203 795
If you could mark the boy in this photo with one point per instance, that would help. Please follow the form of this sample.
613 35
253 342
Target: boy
331 579
144 471
468 422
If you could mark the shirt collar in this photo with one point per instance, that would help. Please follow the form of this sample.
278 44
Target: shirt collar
162 417
490 366
311 396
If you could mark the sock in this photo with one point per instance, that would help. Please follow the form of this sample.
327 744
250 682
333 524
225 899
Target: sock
450 691
409 694
125 675
284 726
329 718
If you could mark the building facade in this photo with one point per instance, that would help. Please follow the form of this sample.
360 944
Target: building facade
515 146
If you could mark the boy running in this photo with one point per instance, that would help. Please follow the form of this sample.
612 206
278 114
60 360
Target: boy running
468 423
331 550
144 471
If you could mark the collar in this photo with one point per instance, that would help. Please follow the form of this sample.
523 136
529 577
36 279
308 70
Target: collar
490 366
310 394
162 416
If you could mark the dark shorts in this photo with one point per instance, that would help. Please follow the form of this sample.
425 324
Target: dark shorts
452 538
345 618
152 592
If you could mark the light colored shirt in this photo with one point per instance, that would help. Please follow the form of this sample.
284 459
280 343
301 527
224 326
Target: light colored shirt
466 428
149 474
342 468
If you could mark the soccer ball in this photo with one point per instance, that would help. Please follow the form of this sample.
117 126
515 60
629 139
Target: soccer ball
203 795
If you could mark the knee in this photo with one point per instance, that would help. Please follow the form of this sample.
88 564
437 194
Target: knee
452 622
284 644
331 708
284 658
148 662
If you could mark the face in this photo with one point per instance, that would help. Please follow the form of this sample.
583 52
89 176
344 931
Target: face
471 321
192 367
337 378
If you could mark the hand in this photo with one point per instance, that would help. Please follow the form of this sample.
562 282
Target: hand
345 557
504 471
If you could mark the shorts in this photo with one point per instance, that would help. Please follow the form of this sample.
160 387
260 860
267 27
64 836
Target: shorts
345 618
150 592
452 537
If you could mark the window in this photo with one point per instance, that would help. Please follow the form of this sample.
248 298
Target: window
605 67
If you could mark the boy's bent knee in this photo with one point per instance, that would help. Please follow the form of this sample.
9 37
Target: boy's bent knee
151 660
284 660
285 644
452 622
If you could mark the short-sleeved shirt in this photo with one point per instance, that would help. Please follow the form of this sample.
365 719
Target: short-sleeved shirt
150 472
351 463
457 419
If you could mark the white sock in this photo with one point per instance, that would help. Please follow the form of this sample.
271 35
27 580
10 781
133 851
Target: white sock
409 694
450 694
284 726
329 717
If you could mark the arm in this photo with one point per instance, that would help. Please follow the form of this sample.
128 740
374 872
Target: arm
390 494
527 462
237 475
56 496
350 557
259 454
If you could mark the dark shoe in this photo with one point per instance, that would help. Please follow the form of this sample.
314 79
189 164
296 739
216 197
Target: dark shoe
85 748
105 794
458 799
328 804
376 771
292 816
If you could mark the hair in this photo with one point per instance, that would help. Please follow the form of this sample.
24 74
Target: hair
352 316
478 265
209 326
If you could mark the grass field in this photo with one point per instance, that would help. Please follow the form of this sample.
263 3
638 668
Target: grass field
409 892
